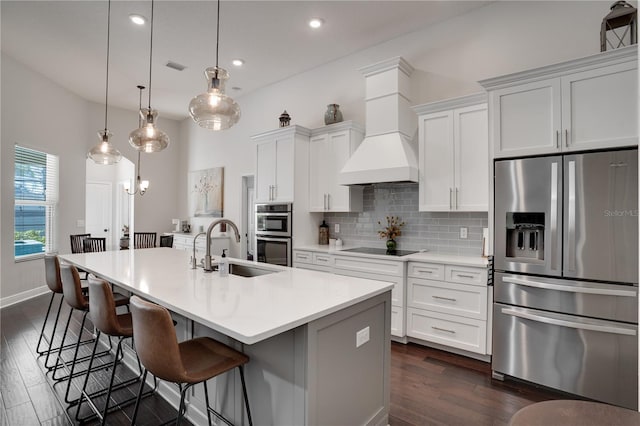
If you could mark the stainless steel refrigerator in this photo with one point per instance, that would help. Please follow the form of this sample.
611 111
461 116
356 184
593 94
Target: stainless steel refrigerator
566 282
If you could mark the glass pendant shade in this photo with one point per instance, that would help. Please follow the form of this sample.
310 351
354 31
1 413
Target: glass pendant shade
104 152
147 137
213 109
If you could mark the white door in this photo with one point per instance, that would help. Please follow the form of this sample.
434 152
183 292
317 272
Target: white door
265 171
338 198
283 190
318 173
98 210
436 184
471 137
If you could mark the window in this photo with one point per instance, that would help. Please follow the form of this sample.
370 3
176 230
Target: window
36 198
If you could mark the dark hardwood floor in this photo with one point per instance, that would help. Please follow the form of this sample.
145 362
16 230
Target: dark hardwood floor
428 386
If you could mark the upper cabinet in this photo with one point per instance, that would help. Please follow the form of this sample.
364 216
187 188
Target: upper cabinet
329 149
589 103
280 154
454 154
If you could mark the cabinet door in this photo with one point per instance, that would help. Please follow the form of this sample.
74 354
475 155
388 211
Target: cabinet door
319 172
471 147
436 183
527 119
600 108
339 152
283 190
265 170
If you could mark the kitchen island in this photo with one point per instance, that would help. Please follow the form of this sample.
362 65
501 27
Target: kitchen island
319 343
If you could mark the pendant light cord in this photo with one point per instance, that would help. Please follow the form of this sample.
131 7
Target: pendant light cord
217 35
106 91
150 53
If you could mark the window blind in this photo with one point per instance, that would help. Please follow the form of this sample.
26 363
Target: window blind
36 195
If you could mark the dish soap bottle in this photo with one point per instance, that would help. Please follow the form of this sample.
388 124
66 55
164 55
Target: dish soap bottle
223 265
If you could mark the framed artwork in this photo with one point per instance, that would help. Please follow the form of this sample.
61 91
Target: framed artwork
206 192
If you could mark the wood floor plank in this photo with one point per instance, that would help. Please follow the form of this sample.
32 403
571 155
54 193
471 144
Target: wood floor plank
22 415
44 401
14 392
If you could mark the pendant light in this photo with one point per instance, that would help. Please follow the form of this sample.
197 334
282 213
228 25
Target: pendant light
141 185
104 152
213 109
148 137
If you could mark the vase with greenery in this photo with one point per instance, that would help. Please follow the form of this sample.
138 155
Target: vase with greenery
391 231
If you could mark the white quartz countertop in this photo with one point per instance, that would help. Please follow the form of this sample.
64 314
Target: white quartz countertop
248 309
450 259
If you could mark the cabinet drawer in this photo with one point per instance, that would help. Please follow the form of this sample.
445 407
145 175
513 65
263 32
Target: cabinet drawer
397 294
431 271
466 275
456 299
376 266
397 321
322 259
458 332
302 256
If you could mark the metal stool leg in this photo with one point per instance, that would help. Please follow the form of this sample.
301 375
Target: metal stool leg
44 323
244 392
182 408
206 398
64 336
86 377
139 397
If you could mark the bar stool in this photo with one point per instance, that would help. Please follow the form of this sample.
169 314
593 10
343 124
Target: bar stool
52 278
102 310
72 292
191 362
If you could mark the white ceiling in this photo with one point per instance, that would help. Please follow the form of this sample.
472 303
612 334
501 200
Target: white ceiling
66 41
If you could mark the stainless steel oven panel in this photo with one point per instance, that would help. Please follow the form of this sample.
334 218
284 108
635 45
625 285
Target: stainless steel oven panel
274 250
592 358
597 300
264 224
529 186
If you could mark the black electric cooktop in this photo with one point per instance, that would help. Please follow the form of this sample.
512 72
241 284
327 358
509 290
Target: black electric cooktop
375 250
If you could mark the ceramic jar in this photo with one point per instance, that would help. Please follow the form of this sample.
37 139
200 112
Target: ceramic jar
333 114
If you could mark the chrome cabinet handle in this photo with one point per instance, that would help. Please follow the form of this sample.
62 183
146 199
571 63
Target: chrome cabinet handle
324 201
566 138
451 299
465 276
450 196
558 139
443 329
426 271
328 201
456 205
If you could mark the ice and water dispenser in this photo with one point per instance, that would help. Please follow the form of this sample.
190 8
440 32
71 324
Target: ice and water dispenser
525 236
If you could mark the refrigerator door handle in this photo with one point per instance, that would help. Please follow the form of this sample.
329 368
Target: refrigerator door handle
571 288
522 313
554 216
571 217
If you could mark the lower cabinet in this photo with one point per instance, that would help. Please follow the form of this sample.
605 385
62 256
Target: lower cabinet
316 261
449 307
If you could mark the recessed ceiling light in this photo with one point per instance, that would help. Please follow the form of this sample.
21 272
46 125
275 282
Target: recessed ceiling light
238 62
137 19
316 22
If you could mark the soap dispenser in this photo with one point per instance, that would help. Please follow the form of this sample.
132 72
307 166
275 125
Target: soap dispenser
223 265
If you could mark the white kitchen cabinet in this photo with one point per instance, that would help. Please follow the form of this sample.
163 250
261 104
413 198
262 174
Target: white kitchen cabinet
589 103
276 159
453 154
391 271
448 305
329 149
185 242
316 261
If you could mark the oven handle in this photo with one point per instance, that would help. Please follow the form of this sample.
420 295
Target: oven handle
271 214
281 240
563 323
570 288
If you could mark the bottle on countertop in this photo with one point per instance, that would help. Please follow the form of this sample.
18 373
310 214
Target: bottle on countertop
323 237
223 265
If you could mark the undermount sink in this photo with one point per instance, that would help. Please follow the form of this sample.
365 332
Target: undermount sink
248 271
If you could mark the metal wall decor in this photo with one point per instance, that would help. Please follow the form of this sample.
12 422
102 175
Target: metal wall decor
620 27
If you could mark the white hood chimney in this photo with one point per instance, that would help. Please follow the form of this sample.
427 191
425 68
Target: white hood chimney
387 154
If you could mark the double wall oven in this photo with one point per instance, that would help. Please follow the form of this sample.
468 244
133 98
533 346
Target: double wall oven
566 282
273 233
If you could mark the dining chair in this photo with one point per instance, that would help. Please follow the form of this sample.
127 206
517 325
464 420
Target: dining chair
94 244
191 362
144 240
166 240
77 246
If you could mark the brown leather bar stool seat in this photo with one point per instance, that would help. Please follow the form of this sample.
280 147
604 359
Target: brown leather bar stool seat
75 298
574 413
102 310
191 362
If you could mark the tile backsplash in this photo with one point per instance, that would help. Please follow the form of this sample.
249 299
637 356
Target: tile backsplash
437 232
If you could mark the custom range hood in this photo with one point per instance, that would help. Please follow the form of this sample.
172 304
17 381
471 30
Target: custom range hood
387 153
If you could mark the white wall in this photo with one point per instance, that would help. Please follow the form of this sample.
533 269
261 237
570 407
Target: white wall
449 58
40 114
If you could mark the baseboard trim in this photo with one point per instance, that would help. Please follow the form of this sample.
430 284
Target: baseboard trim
21 297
